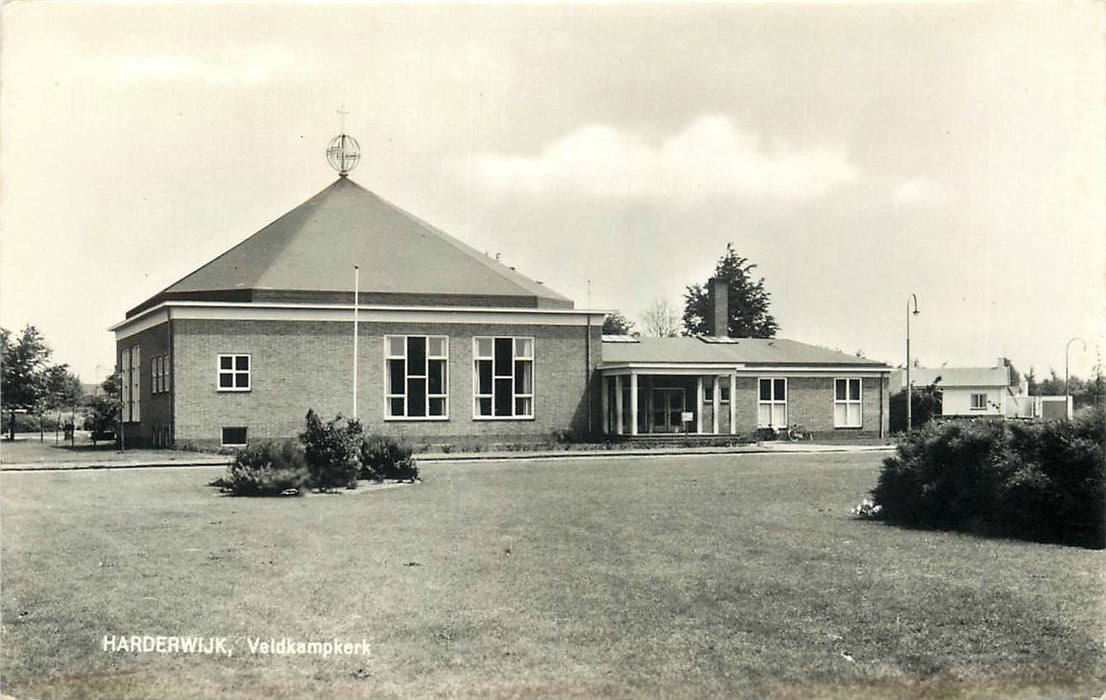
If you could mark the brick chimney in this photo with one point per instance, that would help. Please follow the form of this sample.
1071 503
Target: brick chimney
719 322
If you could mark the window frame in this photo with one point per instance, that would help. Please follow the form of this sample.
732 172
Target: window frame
971 401
233 372
222 435
515 395
773 402
389 396
159 371
846 402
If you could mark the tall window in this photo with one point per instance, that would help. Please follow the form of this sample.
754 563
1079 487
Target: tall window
504 377
234 373
417 375
772 403
979 402
846 403
130 380
159 370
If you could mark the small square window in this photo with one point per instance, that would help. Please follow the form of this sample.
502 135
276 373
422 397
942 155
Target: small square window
234 373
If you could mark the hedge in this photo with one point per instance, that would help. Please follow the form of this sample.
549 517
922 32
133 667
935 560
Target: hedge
1043 480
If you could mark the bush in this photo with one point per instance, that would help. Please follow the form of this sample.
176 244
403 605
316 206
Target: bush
266 469
1043 481
333 451
383 457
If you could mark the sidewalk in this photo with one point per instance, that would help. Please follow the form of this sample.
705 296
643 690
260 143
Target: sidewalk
64 459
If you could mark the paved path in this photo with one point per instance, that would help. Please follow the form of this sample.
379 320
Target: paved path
117 460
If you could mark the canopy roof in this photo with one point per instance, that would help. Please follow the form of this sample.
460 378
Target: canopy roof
308 255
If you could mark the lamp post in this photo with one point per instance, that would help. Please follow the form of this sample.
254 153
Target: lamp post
909 389
1067 352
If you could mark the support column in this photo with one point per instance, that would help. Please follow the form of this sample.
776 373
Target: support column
733 404
605 404
618 404
633 403
715 403
699 405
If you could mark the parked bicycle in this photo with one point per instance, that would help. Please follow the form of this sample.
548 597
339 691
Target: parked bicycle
794 433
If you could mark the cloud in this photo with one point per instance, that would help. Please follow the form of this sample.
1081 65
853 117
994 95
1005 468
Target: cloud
915 191
235 67
711 157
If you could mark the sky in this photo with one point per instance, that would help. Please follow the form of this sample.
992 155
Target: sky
857 154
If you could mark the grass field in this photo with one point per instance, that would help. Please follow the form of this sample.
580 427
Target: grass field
719 576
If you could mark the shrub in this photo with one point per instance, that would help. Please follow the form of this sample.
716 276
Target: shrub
332 451
384 457
266 469
1042 481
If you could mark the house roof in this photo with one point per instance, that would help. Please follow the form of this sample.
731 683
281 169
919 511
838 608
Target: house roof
747 351
952 377
308 255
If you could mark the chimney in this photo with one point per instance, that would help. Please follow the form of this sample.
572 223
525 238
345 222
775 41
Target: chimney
719 322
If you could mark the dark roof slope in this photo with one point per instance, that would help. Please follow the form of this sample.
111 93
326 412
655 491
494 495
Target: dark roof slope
309 253
748 351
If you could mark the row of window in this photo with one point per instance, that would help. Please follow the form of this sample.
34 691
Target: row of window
417 376
772 403
130 380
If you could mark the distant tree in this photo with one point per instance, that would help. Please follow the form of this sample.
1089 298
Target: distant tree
1053 386
1015 376
22 372
1031 381
661 320
925 402
748 301
61 390
617 324
103 409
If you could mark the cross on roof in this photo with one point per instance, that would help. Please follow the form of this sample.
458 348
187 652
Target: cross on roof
343 112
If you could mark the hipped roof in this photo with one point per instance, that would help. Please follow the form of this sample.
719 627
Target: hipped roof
747 351
309 253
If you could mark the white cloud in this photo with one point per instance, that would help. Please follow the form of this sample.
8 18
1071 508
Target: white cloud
913 191
232 67
710 157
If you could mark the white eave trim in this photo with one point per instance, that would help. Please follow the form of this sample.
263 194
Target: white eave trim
743 369
245 311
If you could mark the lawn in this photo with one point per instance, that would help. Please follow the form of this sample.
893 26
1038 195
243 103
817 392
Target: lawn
706 576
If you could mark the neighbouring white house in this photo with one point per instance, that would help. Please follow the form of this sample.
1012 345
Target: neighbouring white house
974 391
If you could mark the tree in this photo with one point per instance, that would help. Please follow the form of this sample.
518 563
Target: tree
103 410
1015 376
617 324
60 389
661 320
24 363
925 402
748 301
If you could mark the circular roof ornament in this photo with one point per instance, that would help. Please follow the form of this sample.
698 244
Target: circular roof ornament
343 153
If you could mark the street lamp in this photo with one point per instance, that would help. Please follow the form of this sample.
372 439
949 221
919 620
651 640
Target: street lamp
1067 351
909 390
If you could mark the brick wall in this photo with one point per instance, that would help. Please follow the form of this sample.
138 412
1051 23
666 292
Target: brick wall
155 409
297 365
810 402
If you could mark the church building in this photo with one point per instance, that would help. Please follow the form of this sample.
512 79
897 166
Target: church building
431 340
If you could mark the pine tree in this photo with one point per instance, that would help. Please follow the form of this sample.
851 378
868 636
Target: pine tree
748 301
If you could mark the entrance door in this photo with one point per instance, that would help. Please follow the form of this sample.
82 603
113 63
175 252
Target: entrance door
668 404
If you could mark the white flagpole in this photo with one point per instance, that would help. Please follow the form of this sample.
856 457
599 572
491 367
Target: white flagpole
356 291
